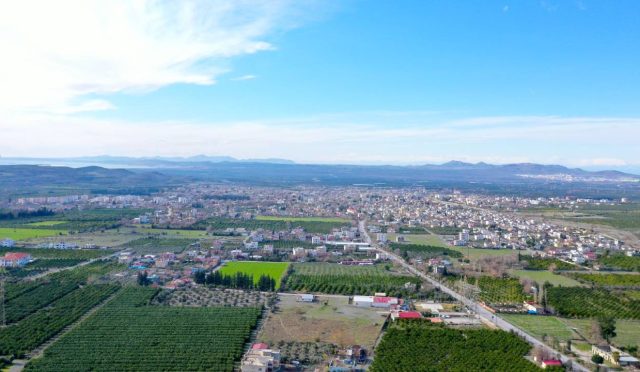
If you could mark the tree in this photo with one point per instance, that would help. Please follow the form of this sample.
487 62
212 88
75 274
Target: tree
597 359
143 278
199 277
607 327
616 357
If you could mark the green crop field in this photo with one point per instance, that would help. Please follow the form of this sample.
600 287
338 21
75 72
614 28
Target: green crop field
546 276
539 326
347 280
580 302
426 239
302 219
275 270
173 233
23 233
478 253
421 347
127 334
45 223
628 331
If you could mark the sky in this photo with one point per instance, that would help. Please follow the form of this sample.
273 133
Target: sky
324 81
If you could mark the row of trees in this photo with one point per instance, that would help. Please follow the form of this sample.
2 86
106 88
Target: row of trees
15 215
238 280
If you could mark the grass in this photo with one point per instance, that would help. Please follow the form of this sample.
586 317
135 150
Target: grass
478 253
23 234
546 276
330 319
275 270
172 233
628 331
302 219
539 326
425 239
45 223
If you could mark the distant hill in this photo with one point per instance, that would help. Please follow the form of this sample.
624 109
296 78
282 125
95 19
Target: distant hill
36 179
152 173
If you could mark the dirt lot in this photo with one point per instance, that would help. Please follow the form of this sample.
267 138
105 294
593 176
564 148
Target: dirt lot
329 319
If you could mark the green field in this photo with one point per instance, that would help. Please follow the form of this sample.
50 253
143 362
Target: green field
539 326
546 276
23 234
302 219
129 335
172 232
45 223
276 270
426 239
477 253
628 331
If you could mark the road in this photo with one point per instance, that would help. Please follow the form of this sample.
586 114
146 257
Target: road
481 312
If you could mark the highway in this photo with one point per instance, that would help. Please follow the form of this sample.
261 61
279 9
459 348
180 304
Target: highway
481 312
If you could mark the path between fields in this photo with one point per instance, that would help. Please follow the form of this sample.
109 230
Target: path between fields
56 270
19 364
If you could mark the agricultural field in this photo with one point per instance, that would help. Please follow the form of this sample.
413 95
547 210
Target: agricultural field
128 334
30 332
202 296
424 239
304 219
348 280
628 331
424 251
47 253
609 280
620 262
541 326
538 263
546 276
150 245
330 320
623 216
107 238
446 349
275 270
578 302
45 223
19 234
448 230
43 265
172 233
497 291
475 254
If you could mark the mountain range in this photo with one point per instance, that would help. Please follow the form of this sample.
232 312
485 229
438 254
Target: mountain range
126 174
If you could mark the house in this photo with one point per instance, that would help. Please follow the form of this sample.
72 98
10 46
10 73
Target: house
383 301
363 301
551 363
395 315
7 243
15 259
607 353
260 359
305 298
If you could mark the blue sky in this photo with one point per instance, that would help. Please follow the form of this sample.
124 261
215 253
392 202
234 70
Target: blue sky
400 82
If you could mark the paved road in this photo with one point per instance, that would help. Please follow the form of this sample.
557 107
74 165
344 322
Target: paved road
482 313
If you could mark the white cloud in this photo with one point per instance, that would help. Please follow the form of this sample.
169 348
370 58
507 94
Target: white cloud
54 53
244 78
335 138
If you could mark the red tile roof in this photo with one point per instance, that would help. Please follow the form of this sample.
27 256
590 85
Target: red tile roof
409 315
15 256
552 362
260 346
